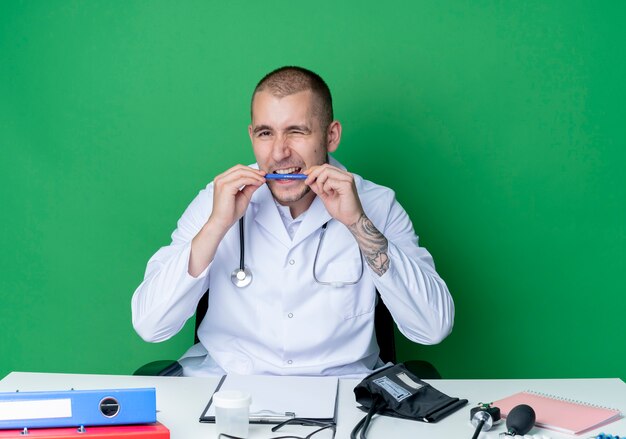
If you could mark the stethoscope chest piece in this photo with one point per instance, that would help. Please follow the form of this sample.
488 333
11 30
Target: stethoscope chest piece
241 277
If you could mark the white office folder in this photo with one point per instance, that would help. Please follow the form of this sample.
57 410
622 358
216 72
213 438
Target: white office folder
277 398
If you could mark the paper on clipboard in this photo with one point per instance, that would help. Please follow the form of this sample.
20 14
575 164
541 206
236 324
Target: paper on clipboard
278 398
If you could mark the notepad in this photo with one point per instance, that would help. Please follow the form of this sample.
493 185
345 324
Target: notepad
277 398
563 415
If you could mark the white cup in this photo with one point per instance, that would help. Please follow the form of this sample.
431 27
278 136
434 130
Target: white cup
232 412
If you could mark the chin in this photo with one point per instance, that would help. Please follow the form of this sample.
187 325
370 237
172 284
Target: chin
285 197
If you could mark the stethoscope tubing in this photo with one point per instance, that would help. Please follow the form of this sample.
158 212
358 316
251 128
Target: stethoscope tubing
242 277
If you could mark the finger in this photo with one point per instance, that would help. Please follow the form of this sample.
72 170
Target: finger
233 183
315 172
239 178
330 183
240 169
247 191
311 170
315 189
329 187
319 175
242 200
320 193
245 170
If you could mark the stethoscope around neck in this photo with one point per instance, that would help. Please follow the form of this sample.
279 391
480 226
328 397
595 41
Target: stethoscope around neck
242 276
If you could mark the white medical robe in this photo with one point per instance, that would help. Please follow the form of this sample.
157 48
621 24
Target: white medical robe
284 322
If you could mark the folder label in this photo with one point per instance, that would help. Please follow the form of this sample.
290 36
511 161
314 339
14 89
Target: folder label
37 409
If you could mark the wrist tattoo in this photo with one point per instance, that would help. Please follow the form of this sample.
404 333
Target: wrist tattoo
372 243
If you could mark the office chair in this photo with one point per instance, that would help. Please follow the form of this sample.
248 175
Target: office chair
383 326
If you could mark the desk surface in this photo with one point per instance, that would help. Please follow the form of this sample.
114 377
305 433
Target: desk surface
180 402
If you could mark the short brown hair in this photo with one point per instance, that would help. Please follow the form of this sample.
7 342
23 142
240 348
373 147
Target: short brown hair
288 80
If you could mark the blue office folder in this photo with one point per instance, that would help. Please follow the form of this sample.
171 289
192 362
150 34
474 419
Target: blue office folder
73 408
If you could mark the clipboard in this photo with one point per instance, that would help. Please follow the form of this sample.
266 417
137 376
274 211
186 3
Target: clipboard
276 399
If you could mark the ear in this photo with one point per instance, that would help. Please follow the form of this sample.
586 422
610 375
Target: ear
333 135
250 131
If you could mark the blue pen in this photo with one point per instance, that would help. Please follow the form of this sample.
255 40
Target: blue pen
285 176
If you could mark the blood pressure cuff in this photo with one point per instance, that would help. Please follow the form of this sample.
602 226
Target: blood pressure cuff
395 391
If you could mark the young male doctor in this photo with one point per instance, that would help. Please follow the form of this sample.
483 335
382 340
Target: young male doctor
316 247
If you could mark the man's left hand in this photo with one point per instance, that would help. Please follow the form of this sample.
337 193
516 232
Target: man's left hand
338 192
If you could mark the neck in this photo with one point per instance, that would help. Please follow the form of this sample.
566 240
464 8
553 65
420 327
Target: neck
297 208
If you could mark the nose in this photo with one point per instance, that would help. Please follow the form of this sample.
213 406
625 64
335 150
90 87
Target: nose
280 149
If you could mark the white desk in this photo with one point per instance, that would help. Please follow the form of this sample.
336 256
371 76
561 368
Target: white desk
180 402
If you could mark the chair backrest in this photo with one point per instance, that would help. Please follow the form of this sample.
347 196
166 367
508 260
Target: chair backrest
383 323
385 331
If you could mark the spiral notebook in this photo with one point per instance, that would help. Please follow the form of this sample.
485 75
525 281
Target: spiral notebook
563 415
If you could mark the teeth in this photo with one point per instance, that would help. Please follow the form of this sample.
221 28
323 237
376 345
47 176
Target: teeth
286 171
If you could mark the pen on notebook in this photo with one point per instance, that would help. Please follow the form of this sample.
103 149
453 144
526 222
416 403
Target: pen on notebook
271 416
285 176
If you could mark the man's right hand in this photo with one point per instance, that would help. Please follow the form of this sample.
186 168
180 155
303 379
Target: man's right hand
232 191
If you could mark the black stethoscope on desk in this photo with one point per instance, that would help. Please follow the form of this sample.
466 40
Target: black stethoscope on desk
242 276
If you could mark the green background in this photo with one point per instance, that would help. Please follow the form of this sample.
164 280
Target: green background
499 124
